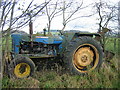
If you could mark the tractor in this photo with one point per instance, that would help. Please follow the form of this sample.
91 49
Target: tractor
80 52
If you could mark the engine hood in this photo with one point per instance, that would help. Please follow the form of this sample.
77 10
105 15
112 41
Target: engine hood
48 39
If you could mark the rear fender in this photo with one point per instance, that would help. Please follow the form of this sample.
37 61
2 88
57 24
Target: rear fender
96 36
71 36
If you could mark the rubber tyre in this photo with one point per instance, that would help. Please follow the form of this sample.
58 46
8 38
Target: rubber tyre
71 48
19 60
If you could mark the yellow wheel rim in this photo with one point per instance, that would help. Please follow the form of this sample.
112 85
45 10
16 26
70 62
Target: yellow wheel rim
22 70
85 58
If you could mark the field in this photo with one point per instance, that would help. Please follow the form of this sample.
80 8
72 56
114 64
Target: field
57 77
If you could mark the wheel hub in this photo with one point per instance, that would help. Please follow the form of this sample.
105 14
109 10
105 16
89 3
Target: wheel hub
83 57
22 70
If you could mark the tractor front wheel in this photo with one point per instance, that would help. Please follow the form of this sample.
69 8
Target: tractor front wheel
83 55
21 67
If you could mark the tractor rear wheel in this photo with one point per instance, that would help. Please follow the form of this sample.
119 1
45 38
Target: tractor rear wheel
21 67
83 55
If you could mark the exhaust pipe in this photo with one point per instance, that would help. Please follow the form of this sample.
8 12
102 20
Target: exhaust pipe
31 33
44 30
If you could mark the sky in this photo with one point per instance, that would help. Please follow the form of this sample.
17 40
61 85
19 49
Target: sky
82 24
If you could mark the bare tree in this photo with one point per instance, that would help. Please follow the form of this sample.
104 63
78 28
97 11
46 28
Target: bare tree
69 9
52 10
22 19
107 14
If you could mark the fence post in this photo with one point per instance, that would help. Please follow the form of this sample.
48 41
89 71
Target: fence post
115 46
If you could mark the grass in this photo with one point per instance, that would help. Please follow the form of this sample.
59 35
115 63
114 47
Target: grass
105 77
111 46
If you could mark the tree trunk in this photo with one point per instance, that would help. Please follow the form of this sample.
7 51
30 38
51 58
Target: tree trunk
0 55
6 60
49 25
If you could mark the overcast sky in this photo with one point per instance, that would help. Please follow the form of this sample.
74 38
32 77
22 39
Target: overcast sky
83 24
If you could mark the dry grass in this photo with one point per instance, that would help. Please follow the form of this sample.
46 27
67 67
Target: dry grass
106 77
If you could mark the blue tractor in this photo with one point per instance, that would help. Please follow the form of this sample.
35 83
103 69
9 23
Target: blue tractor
80 52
